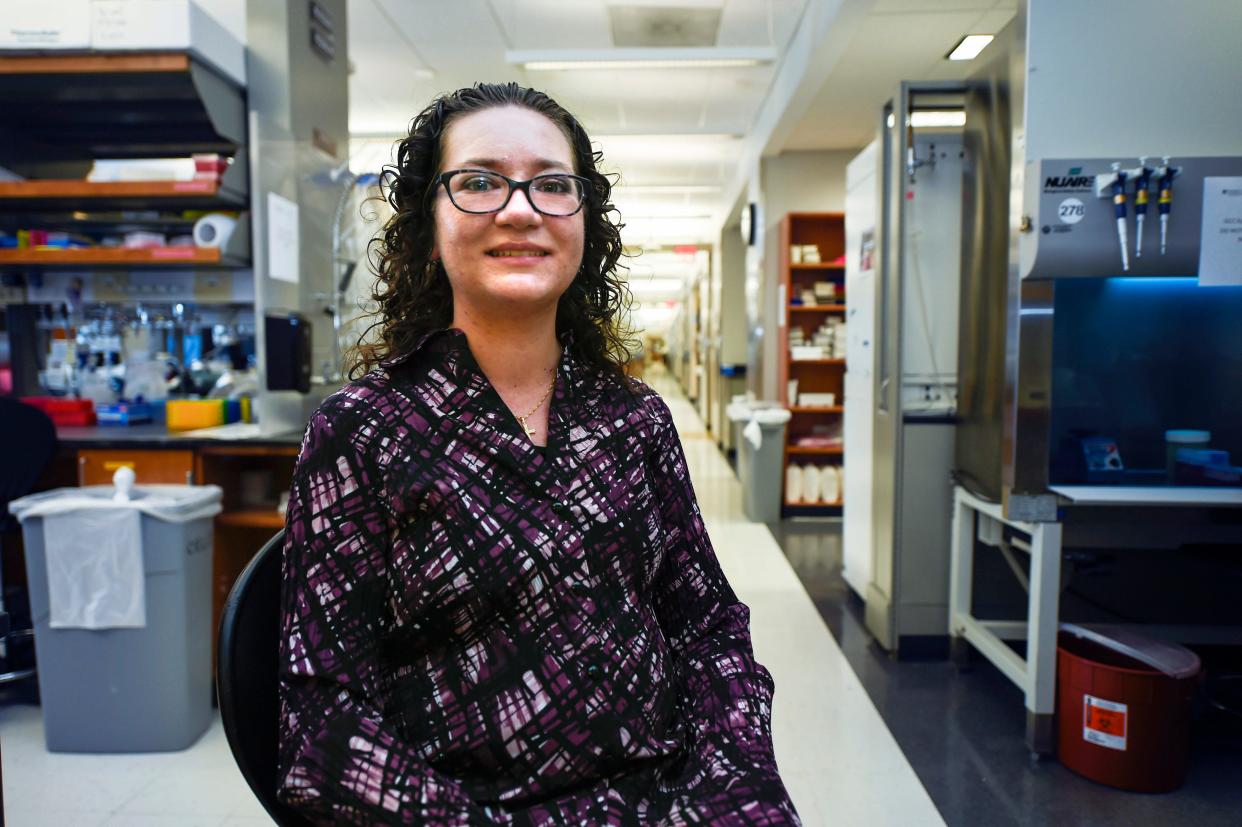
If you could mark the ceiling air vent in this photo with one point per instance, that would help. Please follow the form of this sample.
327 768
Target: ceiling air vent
663 26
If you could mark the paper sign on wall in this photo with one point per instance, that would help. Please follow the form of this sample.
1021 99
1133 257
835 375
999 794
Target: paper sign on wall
1220 246
282 238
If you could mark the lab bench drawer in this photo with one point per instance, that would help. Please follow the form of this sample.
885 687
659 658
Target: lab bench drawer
96 466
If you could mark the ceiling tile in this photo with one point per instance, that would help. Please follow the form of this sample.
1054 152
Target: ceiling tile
553 24
759 23
461 23
882 7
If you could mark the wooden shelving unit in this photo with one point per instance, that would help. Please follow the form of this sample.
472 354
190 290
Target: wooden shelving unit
816 450
257 518
815 362
130 195
826 375
117 257
65 111
816 308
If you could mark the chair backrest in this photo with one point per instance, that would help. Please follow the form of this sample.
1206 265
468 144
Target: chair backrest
247 664
27 443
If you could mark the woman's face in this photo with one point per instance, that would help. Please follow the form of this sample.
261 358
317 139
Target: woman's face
515 260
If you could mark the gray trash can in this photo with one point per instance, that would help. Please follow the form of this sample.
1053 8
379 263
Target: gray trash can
738 412
129 673
760 469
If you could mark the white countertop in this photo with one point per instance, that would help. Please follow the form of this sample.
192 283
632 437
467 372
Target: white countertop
1180 495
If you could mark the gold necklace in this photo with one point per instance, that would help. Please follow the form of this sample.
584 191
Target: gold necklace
530 432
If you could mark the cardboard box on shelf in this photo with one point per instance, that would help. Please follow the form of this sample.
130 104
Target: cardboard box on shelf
825 291
165 24
797 352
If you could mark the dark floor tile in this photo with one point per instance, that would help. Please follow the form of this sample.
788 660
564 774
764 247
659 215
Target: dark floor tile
963 732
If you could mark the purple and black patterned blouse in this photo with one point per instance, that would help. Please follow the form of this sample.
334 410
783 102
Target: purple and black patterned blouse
475 632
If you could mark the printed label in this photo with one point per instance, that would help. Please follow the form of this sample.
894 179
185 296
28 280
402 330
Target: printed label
1104 722
1220 240
1071 211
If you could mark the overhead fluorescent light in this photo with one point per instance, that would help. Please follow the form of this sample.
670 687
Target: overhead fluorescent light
931 118
554 60
658 217
638 138
649 63
969 47
923 119
660 4
655 285
702 148
666 189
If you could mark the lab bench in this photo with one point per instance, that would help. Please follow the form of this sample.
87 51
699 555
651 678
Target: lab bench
1135 518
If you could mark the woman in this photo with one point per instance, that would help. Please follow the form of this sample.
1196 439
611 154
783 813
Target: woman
500 603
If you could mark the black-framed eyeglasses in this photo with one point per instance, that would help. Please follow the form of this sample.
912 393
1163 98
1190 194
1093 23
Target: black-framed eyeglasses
478 191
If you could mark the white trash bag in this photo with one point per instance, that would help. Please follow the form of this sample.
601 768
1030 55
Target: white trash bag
95 578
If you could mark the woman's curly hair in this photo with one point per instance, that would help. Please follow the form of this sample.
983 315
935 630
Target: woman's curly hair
413 293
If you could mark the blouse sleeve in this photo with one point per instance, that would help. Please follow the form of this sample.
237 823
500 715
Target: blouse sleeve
727 693
340 762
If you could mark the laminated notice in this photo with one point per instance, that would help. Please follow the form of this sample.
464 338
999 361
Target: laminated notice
1104 722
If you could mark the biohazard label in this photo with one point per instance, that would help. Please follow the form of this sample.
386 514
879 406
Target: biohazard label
1104 722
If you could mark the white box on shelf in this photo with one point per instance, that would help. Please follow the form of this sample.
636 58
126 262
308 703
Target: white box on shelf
798 352
825 290
38 24
125 25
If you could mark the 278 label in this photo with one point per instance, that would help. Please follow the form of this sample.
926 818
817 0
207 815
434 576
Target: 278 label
1071 211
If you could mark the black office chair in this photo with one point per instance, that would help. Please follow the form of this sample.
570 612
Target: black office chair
247 663
27 445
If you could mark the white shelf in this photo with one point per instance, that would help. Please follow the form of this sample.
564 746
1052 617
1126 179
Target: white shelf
1149 495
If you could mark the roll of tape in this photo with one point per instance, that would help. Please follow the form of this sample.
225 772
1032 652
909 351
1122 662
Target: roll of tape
213 230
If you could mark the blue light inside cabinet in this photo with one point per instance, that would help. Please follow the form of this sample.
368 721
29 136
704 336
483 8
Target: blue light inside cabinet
1134 357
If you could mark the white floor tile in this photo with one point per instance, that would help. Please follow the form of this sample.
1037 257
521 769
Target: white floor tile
49 817
248 808
166 820
188 790
839 761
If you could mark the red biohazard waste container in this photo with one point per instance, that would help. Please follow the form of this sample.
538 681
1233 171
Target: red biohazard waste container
1123 707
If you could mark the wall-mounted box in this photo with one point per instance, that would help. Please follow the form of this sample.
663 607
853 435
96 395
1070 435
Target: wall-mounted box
166 25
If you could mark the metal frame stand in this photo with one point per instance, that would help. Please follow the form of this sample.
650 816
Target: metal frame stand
1036 675
8 634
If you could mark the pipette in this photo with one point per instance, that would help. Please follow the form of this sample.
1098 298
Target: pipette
1165 174
1119 204
1142 183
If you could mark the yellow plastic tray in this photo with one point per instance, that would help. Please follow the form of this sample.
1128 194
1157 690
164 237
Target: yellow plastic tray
188 414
